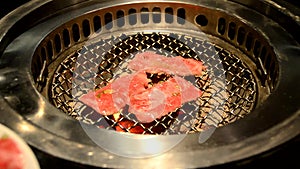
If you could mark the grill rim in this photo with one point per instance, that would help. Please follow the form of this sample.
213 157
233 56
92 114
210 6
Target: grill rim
292 126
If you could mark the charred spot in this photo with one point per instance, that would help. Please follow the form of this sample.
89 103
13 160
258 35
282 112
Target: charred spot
157 77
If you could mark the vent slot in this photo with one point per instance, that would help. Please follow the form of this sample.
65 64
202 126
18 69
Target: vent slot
231 30
50 50
241 35
120 18
132 16
257 48
108 18
181 16
249 41
156 15
221 26
201 20
76 33
86 28
263 54
145 15
97 23
169 18
66 37
57 43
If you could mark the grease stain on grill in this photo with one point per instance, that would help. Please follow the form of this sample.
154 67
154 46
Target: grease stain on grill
221 103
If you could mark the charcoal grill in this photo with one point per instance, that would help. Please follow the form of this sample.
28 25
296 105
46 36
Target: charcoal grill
249 87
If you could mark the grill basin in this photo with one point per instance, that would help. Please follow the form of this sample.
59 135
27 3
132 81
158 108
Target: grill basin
238 60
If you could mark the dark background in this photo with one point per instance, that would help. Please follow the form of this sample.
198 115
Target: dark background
283 156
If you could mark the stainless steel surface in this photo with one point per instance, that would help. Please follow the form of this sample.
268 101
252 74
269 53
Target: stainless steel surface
272 123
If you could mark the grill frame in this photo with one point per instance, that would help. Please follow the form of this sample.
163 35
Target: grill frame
47 49
281 129
61 81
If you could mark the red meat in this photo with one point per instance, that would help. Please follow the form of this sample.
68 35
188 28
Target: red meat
188 91
155 63
109 99
10 155
148 100
154 102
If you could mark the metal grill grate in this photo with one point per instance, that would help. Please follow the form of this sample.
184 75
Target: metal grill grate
229 88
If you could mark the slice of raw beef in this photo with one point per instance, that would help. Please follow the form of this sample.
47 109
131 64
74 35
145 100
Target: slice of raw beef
109 99
155 63
148 99
150 103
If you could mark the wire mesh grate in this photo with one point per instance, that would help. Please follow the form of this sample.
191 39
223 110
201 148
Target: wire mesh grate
228 85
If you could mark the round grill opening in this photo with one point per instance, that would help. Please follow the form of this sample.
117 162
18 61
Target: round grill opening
241 71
